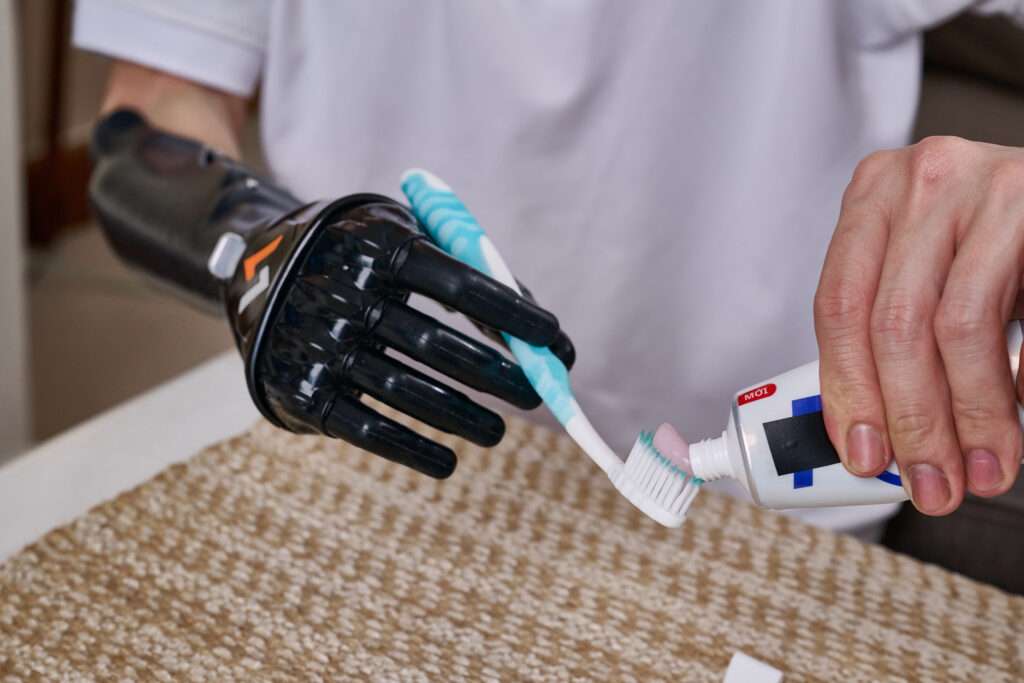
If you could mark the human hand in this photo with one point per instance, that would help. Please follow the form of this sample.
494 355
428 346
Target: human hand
923 272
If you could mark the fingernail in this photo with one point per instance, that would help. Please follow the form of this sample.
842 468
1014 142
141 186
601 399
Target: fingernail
983 470
929 488
864 449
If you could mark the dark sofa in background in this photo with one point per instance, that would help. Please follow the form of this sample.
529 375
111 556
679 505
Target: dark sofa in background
974 88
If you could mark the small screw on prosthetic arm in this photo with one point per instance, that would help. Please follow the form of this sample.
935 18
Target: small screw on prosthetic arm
316 294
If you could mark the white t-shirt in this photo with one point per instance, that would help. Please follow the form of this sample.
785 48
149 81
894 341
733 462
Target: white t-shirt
665 176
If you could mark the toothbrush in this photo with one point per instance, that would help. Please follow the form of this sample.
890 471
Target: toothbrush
648 479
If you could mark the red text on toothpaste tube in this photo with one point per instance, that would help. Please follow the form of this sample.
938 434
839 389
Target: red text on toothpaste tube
763 391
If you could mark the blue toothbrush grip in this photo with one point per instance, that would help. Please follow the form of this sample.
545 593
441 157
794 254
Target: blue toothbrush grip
453 228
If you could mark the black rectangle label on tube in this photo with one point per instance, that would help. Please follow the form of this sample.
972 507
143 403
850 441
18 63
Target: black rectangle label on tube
799 443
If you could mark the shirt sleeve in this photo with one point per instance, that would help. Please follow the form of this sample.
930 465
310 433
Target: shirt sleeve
1014 9
219 43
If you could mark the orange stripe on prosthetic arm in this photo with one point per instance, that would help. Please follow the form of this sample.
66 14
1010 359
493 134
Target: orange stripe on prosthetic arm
251 262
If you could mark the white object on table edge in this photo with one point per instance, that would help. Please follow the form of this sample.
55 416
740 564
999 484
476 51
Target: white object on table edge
745 669
67 475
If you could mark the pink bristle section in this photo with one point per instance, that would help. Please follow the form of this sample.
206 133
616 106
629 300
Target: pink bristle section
673 446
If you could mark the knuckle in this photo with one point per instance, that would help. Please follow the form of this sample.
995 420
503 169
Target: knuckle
982 420
868 173
934 159
840 303
912 427
1007 178
961 324
853 396
974 415
898 320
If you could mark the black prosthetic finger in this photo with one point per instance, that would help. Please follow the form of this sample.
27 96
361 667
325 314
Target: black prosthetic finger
525 291
429 271
563 348
351 420
422 397
448 351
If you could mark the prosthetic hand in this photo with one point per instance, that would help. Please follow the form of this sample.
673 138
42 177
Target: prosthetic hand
315 294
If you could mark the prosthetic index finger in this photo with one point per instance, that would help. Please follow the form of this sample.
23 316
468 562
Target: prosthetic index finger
429 271
448 351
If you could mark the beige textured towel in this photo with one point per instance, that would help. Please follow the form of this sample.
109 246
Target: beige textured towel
274 557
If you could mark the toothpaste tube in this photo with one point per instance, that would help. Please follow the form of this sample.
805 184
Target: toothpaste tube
776 446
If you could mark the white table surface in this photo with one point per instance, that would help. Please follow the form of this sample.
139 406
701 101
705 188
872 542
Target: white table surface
62 478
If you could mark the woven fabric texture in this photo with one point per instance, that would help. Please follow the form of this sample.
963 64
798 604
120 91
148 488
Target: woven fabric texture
272 557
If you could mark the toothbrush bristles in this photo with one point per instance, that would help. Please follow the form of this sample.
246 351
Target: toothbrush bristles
655 484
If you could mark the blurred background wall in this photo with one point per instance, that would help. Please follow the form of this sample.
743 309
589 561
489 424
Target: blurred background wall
14 415
97 334
41 25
